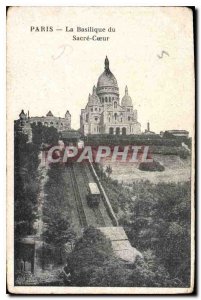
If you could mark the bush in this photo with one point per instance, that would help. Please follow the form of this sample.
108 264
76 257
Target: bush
151 166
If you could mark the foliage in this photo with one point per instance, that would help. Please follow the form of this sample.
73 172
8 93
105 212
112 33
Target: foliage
25 184
58 231
93 263
89 253
108 170
151 166
156 217
160 220
56 211
44 135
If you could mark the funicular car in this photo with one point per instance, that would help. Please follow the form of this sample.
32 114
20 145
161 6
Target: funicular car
94 195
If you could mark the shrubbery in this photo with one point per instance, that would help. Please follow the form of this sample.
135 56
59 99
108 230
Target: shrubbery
93 263
156 217
151 166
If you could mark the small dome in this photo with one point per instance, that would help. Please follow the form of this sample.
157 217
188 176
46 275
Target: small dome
107 78
126 100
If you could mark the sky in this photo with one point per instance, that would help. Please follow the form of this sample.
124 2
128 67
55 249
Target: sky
49 71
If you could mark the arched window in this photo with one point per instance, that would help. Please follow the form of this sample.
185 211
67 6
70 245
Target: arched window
124 131
111 130
115 116
117 130
115 104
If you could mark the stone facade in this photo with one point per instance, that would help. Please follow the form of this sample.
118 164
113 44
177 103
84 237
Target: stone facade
104 114
61 124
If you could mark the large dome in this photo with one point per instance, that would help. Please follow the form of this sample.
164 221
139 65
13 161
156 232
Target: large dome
126 100
107 81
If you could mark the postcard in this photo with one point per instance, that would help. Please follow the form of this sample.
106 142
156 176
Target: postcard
100 150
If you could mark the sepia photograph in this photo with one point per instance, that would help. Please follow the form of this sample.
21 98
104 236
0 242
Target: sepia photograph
100 150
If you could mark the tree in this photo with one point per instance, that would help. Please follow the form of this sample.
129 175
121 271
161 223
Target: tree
44 135
93 263
25 184
150 272
160 220
89 253
108 171
58 232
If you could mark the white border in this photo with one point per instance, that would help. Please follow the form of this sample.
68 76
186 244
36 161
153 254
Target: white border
3 93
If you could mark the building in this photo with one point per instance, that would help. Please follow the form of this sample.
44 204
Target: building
176 133
148 130
104 113
24 126
70 137
61 124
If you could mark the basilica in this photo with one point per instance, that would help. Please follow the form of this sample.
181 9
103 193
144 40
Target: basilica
104 113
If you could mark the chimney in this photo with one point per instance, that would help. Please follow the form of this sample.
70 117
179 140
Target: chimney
148 126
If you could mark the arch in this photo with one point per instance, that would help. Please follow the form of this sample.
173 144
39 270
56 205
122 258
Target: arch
117 131
115 104
124 130
111 130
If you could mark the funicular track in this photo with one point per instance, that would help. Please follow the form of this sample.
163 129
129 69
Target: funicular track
78 199
86 174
